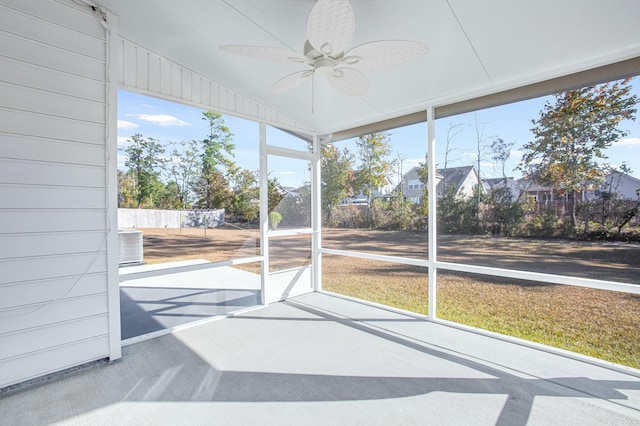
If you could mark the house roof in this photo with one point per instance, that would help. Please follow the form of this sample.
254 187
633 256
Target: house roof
628 178
475 49
455 176
493 182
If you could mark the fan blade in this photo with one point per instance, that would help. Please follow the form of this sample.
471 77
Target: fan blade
384 54
267 53
290 81
349 81
331 26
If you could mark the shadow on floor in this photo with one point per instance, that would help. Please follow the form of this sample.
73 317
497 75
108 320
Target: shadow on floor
145 310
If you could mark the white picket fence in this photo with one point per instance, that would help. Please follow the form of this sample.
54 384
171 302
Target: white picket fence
148 218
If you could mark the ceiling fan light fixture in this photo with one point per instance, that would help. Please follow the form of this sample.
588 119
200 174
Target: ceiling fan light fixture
324 67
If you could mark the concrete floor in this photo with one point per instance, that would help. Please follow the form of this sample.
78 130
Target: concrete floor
168 295
321 359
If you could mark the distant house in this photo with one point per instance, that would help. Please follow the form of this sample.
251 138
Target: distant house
534 192
464 180
360 197
624 186
411 187
492 184
547 194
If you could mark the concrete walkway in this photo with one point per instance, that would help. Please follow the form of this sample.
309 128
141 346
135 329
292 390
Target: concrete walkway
319 359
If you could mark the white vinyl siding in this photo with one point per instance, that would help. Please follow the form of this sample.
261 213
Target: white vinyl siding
54 208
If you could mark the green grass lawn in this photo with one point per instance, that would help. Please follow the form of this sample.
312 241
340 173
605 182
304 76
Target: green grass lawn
598 323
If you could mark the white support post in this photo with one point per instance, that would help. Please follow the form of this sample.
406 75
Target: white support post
111 150
432 221
316 214
264 214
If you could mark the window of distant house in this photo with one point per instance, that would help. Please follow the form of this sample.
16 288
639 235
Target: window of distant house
416 184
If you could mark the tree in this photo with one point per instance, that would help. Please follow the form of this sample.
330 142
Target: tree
275 194
337 178
245 194
399 163
572 135
126 190
169 197
502 211
455 213
374 168
480 153
452 132
211 186
501 151
144 163
183 168
502 214
423 174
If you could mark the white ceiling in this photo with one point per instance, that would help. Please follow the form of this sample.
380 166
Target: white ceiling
475 48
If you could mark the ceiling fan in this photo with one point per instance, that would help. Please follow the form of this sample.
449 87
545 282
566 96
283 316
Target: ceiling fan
330 31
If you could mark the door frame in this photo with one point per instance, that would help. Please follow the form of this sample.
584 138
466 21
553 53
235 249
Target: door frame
314 159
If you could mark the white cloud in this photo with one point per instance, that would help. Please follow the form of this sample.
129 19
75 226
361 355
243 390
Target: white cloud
126 125
161 120
516 153
628 142
123 140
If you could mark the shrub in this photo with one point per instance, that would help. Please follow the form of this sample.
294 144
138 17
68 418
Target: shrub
546 224
274 219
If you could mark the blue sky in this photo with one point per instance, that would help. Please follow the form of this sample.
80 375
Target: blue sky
171 122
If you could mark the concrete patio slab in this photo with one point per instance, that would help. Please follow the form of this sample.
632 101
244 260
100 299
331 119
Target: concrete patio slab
319 359
164 296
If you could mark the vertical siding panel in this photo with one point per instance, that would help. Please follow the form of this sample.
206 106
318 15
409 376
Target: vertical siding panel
176 81
239 107
224 98
185 86
155 73
231 101
142 69
130 63
121 71
165 77
206 93
215 96
196 89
